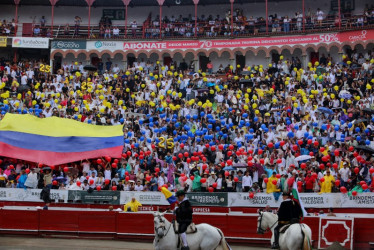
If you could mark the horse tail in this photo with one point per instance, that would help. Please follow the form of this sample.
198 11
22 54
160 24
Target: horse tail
224 244
307 243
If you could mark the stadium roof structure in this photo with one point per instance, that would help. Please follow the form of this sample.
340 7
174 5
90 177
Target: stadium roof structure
133 3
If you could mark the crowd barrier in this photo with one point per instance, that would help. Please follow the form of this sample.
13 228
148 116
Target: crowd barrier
230 200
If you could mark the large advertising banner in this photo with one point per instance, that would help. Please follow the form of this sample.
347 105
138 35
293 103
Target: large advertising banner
310 200
30 42
33 195
349 36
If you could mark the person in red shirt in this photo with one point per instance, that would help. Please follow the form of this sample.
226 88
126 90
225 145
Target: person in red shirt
309 182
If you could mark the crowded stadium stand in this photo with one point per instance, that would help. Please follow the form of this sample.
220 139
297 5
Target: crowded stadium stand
233 101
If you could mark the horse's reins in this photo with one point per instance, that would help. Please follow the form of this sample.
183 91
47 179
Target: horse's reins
266 230
162 225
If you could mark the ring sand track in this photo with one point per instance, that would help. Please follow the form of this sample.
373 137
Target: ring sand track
20 243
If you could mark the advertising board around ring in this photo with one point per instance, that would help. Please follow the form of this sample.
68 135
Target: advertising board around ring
65 44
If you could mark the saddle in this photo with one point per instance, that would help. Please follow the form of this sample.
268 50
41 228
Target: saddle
285 227
190 229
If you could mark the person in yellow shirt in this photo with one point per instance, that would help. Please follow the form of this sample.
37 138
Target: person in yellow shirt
132 206
328 183
271 187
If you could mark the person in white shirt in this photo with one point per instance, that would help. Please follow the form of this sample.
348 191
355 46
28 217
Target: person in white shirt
85 185
247 182
115 32
108 173
219 182
162 180
345 172
138 187
92 180
319 15
24 79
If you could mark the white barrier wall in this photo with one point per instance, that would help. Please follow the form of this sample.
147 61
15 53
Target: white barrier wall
310 200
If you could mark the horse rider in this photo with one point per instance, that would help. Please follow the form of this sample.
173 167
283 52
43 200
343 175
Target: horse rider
289 212
184 216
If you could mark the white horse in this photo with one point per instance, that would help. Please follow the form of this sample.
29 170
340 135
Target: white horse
297 236
207 237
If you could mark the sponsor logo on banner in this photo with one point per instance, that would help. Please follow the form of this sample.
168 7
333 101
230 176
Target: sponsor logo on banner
362 199
208 199
3 41
201 210
145 198
147 208
104 45
68 45
109 197
358 37
30 42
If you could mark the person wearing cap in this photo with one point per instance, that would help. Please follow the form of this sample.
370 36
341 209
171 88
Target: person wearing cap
289 212
212 179
183 214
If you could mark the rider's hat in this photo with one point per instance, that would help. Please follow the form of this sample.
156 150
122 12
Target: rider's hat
286 193
180 193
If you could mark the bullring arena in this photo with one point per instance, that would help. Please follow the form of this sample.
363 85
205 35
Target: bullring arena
109 109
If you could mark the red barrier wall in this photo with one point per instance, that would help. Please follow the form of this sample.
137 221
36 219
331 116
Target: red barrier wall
236 227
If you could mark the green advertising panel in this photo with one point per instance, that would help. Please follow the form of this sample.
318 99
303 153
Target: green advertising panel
108 197
208 199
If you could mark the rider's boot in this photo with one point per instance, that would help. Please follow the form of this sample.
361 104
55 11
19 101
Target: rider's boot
276 240
184 239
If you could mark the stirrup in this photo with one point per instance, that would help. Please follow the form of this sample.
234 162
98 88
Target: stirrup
275 246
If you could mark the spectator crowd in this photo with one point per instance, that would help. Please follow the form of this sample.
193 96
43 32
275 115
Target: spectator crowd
257 128
207 25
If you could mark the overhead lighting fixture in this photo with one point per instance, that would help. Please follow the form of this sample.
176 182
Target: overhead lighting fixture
178 2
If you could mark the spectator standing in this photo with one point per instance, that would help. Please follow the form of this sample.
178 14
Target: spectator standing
77 22
247 182
286 24
327 182
239 183
47 179
134 26
320 16
32 179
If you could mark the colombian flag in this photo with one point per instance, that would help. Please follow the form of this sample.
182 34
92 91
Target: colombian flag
55 141
169 196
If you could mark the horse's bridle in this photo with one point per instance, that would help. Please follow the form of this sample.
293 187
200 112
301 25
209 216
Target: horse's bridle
162 225
259 228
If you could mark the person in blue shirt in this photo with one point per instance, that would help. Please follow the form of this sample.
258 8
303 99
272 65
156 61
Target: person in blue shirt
22 179
269 170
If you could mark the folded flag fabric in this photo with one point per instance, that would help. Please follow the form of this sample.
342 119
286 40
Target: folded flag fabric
55 141
168 195
295 194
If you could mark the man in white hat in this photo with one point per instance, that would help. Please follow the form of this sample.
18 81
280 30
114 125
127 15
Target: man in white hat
212 179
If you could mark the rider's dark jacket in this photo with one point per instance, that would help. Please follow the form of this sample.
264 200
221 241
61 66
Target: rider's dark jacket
289 211
184 215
